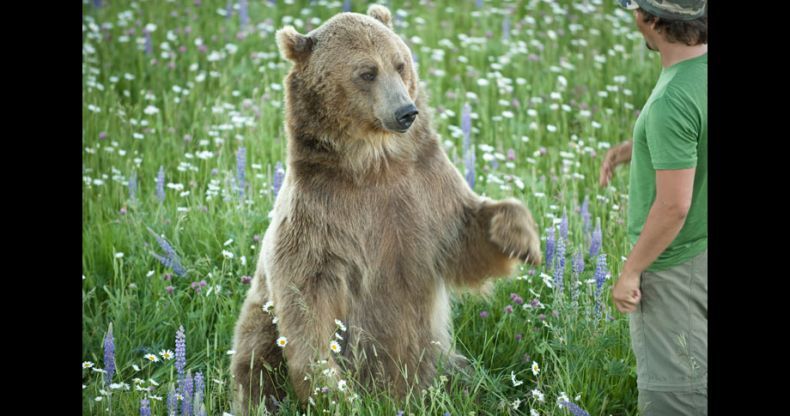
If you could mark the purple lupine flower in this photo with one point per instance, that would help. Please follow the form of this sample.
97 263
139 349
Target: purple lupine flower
586 214
133 186
109 356
241 159
549 247
199 386
564 224
181 352
170 258
229 10
479 3
578 263
244 16
506 28
559 268
468 149
97 3
172 403
578 267
160 184
186 391
149 49
346 5
144 409
573 408
600 277
595 244
400 413
198 407
279 176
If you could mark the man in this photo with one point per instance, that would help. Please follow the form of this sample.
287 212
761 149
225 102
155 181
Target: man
664 281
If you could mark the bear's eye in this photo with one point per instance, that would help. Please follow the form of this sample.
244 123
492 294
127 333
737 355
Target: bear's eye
400 67
368 76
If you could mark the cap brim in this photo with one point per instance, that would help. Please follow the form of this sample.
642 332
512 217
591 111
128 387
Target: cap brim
628 4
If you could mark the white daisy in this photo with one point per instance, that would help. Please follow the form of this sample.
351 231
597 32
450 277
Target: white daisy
334 346
516 383
535 368
282 342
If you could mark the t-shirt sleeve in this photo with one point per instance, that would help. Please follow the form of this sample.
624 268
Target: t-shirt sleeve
672 134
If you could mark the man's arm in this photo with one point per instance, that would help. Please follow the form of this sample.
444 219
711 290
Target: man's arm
664 222
615 156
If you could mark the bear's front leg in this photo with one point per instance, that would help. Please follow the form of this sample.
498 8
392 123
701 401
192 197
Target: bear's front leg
496 235
306 310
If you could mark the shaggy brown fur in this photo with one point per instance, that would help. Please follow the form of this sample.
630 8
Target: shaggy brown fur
371 226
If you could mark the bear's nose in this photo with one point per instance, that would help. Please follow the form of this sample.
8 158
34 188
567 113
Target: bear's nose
406 115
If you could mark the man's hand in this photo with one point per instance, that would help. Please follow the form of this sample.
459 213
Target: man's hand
626 293
615 156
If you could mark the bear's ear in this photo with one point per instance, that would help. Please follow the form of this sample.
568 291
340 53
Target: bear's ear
380 13
294 46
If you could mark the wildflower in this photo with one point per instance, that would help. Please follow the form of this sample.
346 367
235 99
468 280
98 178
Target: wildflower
595 244
574 408
468 149
167 354
538 395
535 368
334 346
267 307
341 385
484 314
282 342
170 258
87 364
340 325
240 164
515 382
109 355
152 358
277 181
549 247
181 352
160 184
600 277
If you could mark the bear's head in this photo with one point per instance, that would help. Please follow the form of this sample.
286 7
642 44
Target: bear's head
352 76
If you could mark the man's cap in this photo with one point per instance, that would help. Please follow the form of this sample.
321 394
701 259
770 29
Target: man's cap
669 9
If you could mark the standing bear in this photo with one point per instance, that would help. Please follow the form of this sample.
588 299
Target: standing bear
372 228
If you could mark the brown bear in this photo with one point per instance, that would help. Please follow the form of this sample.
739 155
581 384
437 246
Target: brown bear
373 225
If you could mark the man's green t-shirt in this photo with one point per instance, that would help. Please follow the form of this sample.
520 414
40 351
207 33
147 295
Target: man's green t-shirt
672 133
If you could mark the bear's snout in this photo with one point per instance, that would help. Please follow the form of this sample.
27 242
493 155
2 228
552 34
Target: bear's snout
405 116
